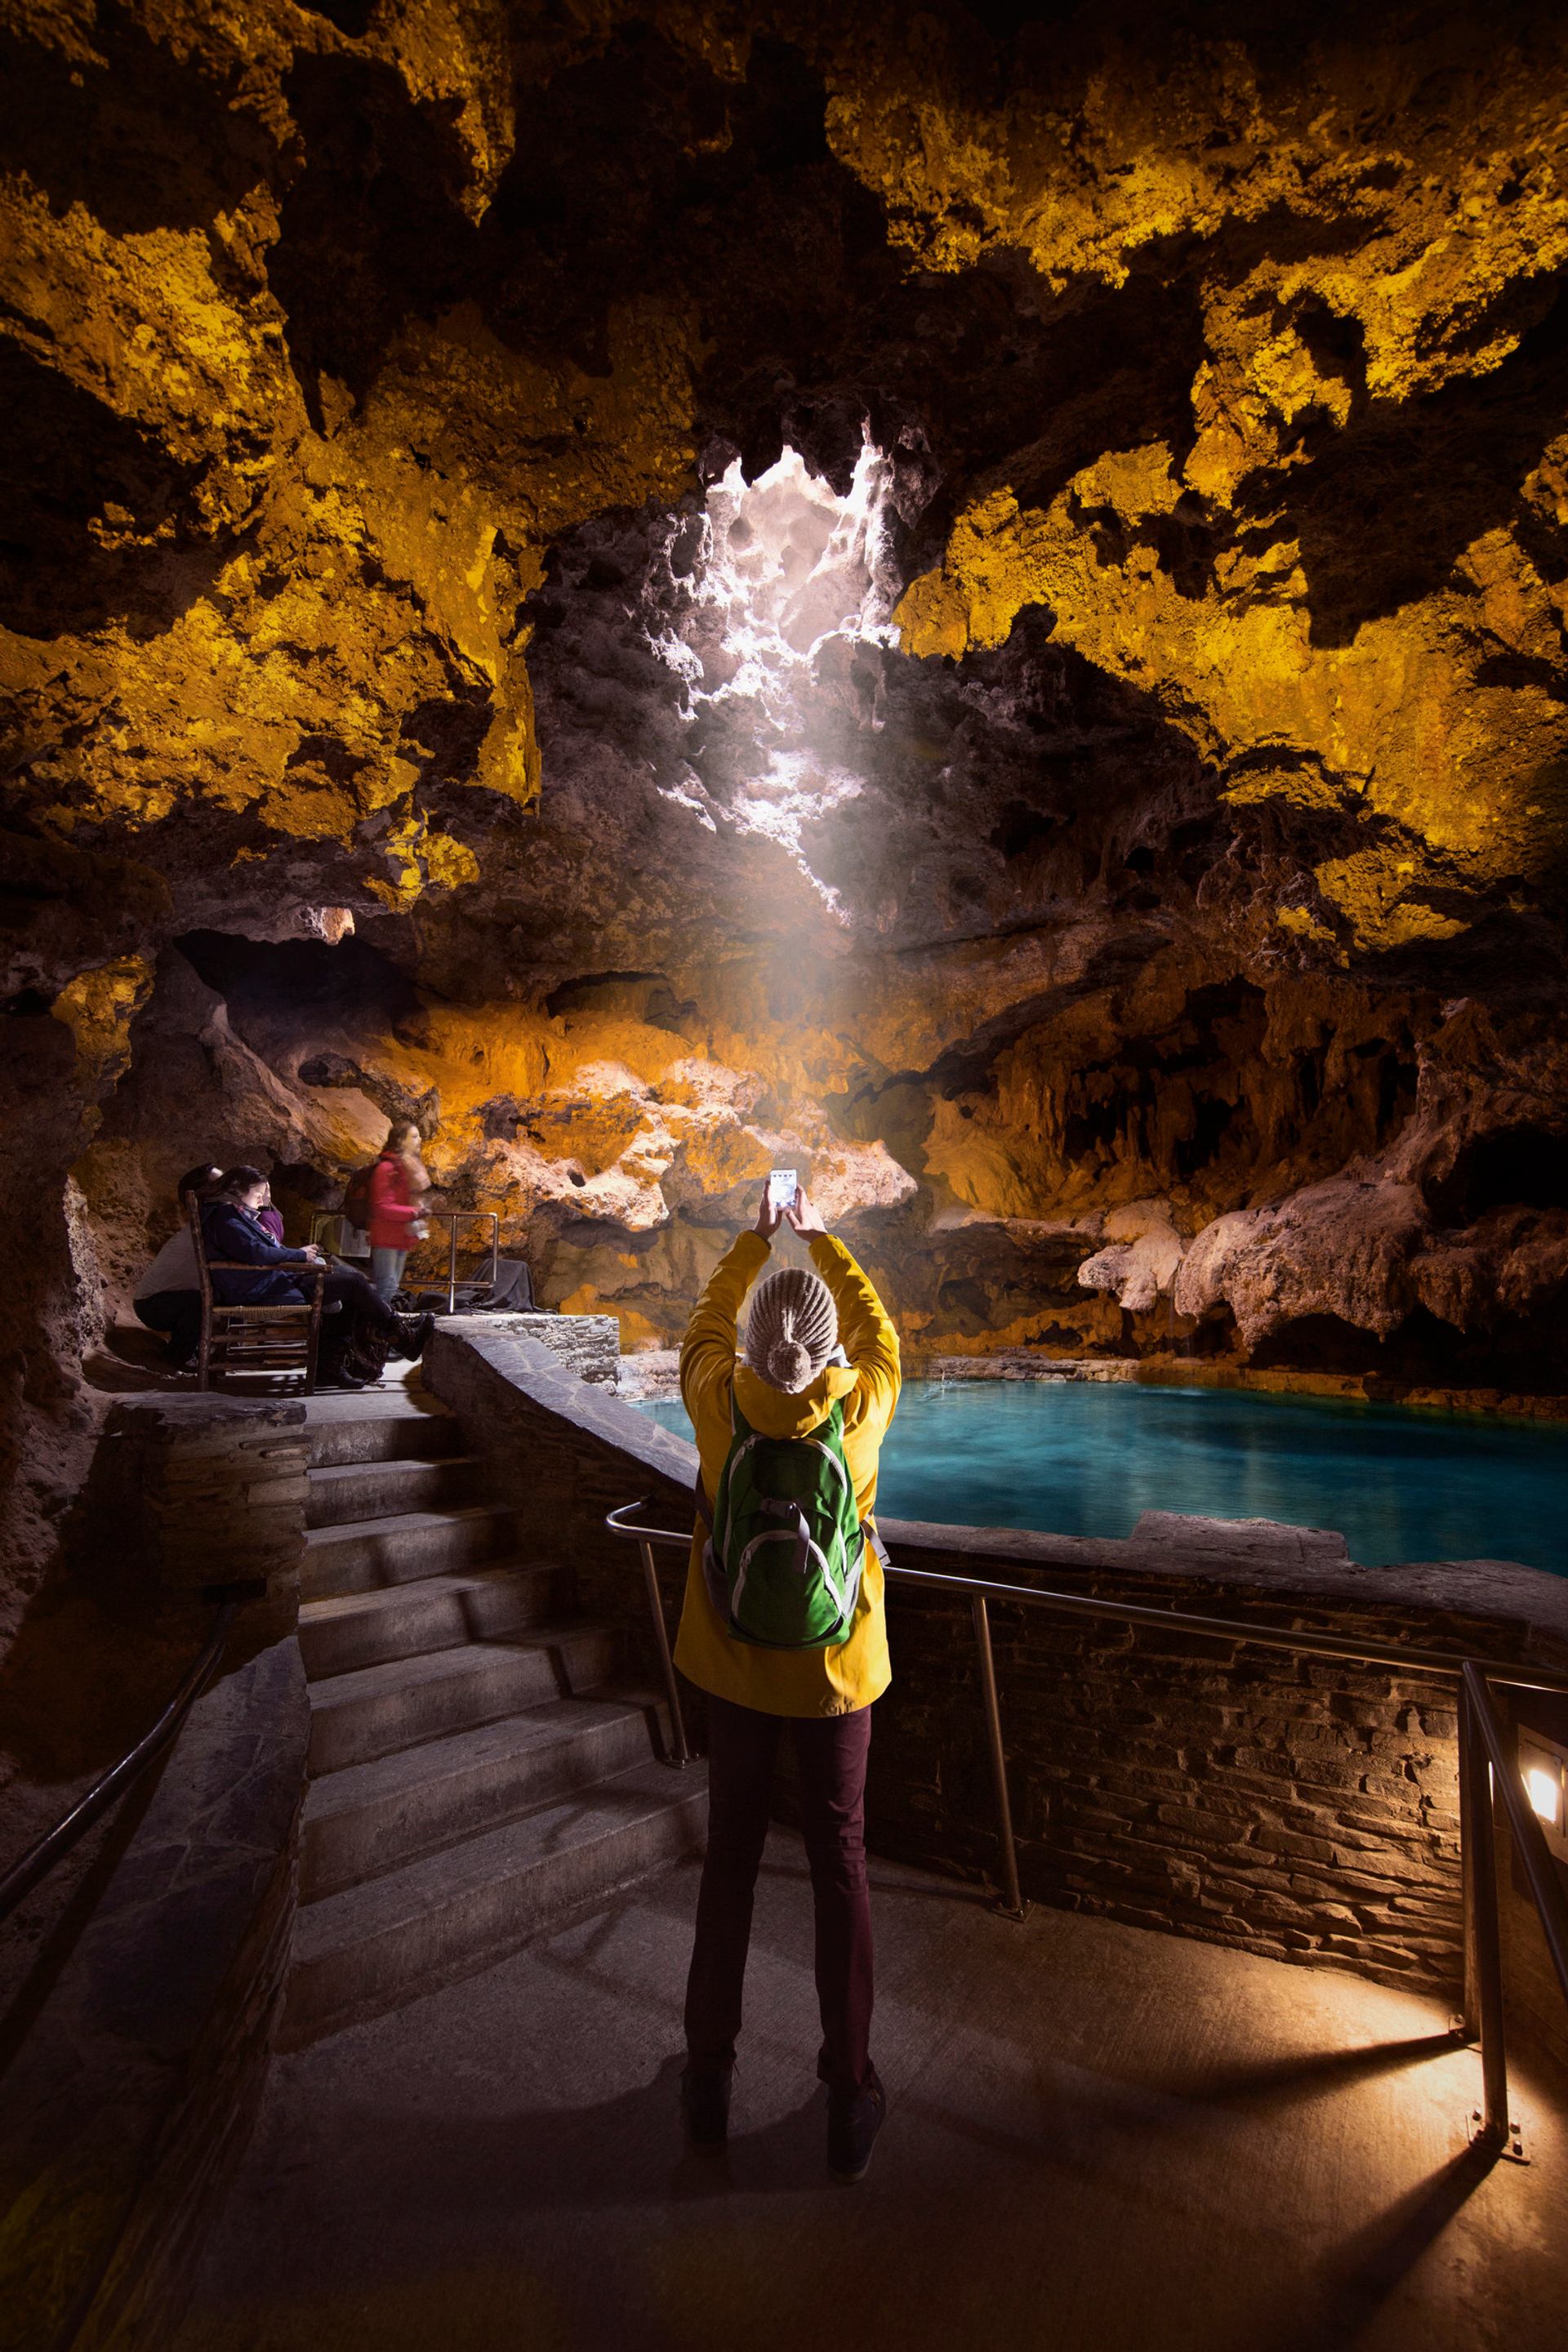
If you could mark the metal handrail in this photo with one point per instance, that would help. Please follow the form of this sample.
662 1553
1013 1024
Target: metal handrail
1486 1769
39 1860
681 1754
450 1217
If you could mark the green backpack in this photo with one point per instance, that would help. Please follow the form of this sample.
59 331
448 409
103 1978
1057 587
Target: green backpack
785 1545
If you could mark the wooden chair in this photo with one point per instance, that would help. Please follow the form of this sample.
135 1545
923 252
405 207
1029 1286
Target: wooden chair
271 1337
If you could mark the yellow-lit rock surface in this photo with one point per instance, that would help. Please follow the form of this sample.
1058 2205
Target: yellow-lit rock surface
254 643
1108 829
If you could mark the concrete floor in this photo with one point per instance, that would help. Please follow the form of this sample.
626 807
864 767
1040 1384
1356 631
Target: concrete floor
1098 2138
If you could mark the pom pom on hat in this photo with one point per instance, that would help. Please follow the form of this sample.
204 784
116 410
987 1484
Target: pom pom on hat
792 1330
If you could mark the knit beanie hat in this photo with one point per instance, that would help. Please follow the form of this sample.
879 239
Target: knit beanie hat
792 1330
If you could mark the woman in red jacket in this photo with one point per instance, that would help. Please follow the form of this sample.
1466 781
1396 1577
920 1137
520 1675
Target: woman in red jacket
398 1183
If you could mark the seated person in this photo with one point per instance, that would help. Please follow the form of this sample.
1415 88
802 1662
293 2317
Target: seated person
232 1231
269 1218
168 1297
368 1331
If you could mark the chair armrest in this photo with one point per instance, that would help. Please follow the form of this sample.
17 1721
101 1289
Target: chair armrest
243 1265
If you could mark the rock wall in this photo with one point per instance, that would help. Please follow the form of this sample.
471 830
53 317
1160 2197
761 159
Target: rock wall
1095 801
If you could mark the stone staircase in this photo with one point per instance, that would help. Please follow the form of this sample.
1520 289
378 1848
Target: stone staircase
476 1768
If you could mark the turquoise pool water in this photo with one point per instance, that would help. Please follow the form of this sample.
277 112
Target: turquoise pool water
1083 1459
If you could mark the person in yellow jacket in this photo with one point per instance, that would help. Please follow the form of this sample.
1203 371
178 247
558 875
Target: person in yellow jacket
812 1338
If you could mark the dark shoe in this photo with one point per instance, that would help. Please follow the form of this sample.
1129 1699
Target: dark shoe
413 1334
854 2120
705 2103
342 1381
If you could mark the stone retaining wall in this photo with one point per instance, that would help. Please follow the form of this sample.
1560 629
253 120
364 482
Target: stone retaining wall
563 1452
136 2047
212 1489
148 2020
588 1345
1299 1807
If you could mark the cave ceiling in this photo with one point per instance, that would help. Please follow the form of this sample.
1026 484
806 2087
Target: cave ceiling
1112 816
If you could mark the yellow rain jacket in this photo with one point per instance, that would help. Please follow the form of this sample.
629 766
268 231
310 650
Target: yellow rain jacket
789 1681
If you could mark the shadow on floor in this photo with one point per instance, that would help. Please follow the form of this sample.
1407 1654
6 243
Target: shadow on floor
1361 2279
483 2189
1279 2081
1099 2140
620 2151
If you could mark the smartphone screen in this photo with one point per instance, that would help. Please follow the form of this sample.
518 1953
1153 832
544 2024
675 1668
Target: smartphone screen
783 1185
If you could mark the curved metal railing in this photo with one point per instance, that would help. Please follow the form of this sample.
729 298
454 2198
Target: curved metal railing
1488 1770
39 1860
325 1220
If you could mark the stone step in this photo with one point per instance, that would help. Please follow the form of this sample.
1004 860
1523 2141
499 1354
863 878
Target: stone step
388 1431
433 1612
372 1818
364 1553
375 1710
341 1492
370 1947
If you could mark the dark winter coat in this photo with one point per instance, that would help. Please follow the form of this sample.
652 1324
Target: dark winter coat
230 1232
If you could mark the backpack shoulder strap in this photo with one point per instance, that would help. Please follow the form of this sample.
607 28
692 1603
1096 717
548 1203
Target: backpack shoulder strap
738 1427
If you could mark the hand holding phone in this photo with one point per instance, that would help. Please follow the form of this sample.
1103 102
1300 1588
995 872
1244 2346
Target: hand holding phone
804 1218
777 1194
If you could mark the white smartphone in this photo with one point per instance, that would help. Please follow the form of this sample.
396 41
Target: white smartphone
783 1185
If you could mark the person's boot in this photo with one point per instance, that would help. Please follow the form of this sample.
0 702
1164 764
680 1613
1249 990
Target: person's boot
705 2103
854 2120
413 1334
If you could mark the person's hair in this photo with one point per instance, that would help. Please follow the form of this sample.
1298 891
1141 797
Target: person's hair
792 1330
239 1180
198 1180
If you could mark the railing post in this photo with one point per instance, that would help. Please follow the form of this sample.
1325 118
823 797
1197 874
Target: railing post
1467 2024
1483 1945
1010 1903
681 1755
451 1265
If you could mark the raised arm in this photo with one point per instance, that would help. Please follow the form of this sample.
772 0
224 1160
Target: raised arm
866 1330
707 1350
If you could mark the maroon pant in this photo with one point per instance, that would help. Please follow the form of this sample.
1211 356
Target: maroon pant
831 1752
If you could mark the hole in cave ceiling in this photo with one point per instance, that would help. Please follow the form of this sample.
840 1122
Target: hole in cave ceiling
786 582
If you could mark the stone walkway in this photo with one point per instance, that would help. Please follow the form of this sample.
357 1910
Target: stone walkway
1101 2138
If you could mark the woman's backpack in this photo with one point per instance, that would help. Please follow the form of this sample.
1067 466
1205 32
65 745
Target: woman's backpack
784 1546
356 1197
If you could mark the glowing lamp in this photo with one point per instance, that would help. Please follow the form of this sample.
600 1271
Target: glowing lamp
1545 1792
1544 1768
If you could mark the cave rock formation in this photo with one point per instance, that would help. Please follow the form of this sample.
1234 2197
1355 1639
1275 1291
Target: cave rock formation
968 599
